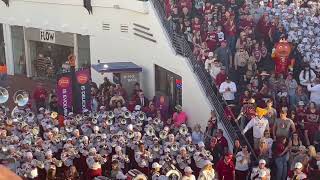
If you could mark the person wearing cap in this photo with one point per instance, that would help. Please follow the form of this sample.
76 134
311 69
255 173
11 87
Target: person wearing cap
299 157
225 168
298 174
228 90
120 157
224 54
156 167
261 172
183 158
188 174
142 159
179 117
259 125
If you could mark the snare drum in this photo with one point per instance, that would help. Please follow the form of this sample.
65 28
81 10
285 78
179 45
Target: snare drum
135 174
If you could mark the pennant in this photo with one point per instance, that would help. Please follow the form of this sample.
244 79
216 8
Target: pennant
6 2
87 5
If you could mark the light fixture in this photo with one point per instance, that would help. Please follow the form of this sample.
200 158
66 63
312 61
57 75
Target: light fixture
106 66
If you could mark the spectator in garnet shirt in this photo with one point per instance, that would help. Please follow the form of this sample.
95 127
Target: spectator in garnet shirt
280 152
225 168
221 76
221 140
230 32
40 96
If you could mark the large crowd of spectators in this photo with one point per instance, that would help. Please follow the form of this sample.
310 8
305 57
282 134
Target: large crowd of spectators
235 43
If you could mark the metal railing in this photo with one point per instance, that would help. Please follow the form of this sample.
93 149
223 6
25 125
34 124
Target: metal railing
182 48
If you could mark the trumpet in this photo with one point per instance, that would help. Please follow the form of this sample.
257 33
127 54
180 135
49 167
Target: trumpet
156 148
174 147
54 115
94 121
141 116
110 115
150 131
109 122
191 148
123 121
163 135
130 135
183 130
31 115
127 115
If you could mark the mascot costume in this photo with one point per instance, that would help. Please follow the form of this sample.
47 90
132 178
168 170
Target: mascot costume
280 55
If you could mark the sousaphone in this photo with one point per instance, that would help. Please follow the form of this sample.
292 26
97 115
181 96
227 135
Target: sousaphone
21 98
4 95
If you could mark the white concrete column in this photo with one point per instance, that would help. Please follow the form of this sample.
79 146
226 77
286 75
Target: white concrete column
8 48
27 54
76 49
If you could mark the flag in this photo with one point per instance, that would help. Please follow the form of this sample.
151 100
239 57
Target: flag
6 2
87 5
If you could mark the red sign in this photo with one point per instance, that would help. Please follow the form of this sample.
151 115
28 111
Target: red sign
64 82
82 78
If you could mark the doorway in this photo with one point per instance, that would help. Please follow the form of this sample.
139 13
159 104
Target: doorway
168 84
2 46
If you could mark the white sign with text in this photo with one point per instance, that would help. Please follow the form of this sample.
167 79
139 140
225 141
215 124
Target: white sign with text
47 36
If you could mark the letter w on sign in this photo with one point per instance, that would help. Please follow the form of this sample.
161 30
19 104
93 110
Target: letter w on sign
6 2
87 5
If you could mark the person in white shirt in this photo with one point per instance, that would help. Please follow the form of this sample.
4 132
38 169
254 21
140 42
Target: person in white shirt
207 172
209 62
228 89
307 76
242 163
188 174
259 124
215 69
315 91
260 172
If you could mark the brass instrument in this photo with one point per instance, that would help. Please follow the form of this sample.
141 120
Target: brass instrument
183 130
163 135
4 95
174 147
127 115
54 115
94 121
21 98
123 121
31 115
141 116
156 148
150 131
109 122
95 116
110 114
173 173
191 148
130 135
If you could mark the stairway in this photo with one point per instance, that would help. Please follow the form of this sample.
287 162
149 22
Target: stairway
182 48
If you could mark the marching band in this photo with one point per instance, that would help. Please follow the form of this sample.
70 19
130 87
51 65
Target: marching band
122 145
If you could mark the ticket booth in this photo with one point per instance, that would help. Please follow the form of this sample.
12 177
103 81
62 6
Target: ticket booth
126 73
